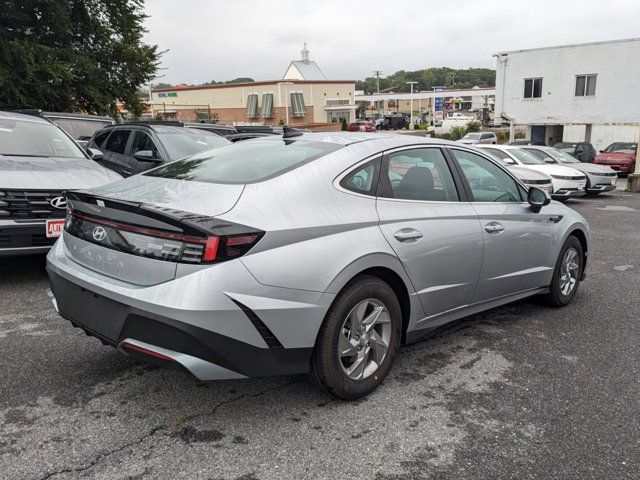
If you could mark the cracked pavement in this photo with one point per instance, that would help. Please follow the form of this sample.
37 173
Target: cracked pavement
522 391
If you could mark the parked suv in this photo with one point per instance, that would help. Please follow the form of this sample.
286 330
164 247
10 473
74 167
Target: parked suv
474 138
79 126
621 156
38 162
583 151
136 147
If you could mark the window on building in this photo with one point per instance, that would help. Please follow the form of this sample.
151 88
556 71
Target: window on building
252 105
298 107
267 105
336 102
532 87
586 85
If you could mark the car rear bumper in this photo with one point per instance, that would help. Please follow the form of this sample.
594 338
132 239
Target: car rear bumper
247 330
23 238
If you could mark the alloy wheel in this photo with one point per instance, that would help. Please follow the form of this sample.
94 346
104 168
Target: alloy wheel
364 339
569 271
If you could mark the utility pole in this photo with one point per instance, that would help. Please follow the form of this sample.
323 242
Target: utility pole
377 73
411 125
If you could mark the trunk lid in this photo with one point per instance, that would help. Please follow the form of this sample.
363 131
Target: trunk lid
138 230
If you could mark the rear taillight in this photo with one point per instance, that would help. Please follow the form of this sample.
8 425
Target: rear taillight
163 245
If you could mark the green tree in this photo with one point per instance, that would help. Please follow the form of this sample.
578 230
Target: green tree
429 78
74 55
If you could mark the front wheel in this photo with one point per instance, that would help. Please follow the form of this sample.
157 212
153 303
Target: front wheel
358 340
567 274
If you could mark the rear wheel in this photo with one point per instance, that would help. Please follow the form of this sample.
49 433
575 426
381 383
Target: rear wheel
567 274
358 340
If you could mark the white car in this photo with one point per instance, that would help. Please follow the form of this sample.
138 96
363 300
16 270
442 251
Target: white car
475 138
567 182
599 177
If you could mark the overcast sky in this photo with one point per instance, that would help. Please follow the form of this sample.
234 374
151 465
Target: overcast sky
220 40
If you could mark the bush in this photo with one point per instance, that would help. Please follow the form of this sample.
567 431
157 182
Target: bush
474 126
343 127
457 132
502 136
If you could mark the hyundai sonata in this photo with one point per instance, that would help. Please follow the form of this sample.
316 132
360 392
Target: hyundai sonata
318 253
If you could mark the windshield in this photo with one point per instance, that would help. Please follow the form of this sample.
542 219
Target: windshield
79 128
35 139
525 157
244 162
472 136
184 143
564 157
620 147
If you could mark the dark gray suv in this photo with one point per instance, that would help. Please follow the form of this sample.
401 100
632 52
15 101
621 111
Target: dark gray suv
136 147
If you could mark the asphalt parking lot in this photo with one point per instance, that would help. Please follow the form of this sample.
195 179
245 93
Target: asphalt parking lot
522 391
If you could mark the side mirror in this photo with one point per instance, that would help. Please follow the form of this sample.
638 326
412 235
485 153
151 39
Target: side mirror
538 198
549 160
95 154
509 161
145 156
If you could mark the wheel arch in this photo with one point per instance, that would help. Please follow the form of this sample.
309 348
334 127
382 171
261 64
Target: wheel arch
582 235
390 270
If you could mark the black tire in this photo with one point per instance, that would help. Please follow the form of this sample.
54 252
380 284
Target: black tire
556 297
325 369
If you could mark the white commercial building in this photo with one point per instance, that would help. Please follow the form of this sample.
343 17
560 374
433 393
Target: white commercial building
588 92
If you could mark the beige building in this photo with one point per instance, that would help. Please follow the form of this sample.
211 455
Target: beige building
303 98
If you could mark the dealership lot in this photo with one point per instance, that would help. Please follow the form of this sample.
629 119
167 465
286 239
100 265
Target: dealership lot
522 391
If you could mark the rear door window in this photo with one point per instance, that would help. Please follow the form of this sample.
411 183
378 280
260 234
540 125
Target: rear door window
418 174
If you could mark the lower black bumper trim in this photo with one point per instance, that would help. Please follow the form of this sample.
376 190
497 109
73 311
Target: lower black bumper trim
232 354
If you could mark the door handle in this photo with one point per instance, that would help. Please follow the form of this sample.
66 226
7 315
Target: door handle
408 235
494 227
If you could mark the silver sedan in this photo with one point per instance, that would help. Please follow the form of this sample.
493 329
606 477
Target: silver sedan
314 252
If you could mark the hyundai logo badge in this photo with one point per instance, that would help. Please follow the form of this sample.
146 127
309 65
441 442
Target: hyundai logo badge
59 202
99 233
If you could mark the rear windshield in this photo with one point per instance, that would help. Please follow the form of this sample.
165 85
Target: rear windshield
245 162
473 136
183 142
35 139
622 147
79 128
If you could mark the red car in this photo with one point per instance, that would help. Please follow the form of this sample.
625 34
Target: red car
621 156
362 126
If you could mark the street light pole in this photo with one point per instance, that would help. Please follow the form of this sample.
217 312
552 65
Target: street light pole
411 125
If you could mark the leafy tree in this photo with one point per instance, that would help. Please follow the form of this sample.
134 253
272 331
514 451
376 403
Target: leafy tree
74 55
429 78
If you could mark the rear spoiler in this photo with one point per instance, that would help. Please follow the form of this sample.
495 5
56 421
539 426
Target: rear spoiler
189 223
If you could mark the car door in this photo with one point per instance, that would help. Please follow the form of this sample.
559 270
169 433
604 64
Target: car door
433 229
142 141
114 151
517 253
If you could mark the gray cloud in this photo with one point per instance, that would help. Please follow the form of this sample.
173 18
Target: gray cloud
220 40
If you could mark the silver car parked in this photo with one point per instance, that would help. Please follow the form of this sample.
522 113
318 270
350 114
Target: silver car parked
317 253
